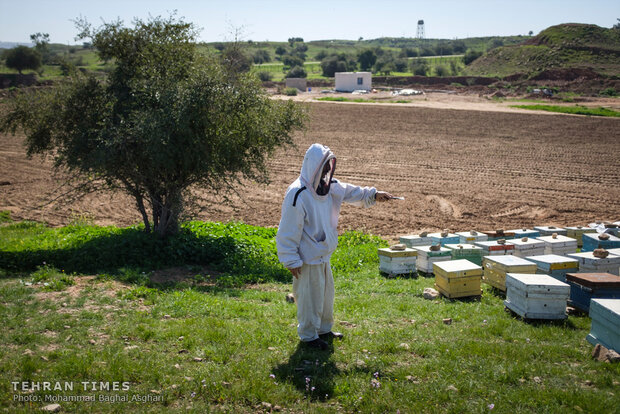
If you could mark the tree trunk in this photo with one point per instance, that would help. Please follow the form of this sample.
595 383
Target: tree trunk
166 211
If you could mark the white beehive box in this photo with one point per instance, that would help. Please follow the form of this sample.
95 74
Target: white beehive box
427 257
555 265
527 247
615 252
397 262
415 240
493 248
577 233
536 296
588 263
560 245
605 314
471 236
549 230
496 268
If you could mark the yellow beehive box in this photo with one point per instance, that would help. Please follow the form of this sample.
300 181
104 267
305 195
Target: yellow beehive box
496 267
578 232
458 278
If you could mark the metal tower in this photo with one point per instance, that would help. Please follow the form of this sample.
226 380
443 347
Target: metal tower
420 34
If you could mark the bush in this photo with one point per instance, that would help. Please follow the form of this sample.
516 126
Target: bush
292 61
265 76
261 56
470 56
609 92
297 72
290 91
419 67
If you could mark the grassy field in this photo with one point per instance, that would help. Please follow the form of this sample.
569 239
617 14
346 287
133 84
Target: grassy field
576 110
182 326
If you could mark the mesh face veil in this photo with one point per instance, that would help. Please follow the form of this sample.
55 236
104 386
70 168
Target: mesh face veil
326 177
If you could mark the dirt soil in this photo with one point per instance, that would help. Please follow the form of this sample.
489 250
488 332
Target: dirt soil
461 163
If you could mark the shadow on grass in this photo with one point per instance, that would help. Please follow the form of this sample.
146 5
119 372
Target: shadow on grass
311 371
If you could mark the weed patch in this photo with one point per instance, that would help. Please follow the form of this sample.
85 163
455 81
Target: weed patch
576 110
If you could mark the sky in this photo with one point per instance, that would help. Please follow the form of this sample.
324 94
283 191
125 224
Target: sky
277 20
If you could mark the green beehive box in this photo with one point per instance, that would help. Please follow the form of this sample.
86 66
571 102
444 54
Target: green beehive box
467 252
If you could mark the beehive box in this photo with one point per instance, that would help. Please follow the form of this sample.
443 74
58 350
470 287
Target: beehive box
397 262
471 236
493 248
578 232
520 233
498 234
549 230
496 268
536 296
587 286
467 252
415 240
588 263
560 245
427 257
527 247
592 241
554 265
450 238
605 314
458 278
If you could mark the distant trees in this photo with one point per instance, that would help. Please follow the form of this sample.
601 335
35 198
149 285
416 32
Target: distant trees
21 58
617 25
367 59
470 56
337 63
297 72
261 56
41 42
419 67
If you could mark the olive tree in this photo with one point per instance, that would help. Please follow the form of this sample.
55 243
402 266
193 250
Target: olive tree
21 58
164 122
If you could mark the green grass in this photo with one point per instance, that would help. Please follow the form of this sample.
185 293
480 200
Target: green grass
577 110
397 353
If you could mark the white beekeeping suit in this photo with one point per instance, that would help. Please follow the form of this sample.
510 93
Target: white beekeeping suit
308 235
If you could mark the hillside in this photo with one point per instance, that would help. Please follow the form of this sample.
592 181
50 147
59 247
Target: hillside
565 46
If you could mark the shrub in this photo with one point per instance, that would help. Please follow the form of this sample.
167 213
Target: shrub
441 70
290 91
470 56
609 92
297 72
265 76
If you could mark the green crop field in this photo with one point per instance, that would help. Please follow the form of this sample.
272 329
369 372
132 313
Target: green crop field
199 323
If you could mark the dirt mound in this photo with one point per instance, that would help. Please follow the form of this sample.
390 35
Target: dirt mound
567 74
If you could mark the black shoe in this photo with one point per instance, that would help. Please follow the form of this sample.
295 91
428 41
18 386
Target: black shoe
319 344
332 335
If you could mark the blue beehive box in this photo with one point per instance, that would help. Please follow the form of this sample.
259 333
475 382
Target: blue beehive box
605 314
549 230
593 241
520 233
587 286
555 265
444 238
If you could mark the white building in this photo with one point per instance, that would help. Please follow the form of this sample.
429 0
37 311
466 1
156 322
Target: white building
353 81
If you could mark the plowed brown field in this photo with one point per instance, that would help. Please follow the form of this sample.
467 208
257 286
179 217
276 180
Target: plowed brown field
457 169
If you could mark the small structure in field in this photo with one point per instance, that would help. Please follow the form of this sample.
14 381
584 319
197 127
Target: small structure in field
353 81
299 83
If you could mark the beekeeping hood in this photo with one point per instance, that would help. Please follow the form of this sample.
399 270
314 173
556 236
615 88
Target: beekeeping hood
312 170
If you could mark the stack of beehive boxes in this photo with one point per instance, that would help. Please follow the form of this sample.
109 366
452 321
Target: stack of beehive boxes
458 278
590 263
527 247
536 296
467 252
496 248
529 233
558 244
443 238
496 268
587 286
499 234
578 232
592 241
416 240
605 314
549 230
397 261
472 236
554 265
427 257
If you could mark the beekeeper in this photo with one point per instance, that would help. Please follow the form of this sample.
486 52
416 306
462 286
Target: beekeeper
308 235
